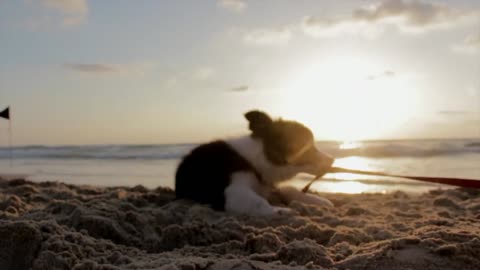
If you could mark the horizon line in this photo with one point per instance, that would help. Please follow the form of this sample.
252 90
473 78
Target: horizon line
196 143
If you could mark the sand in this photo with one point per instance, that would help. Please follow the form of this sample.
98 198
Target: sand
53 225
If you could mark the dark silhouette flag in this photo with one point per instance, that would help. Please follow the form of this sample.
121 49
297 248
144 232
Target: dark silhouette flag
5 113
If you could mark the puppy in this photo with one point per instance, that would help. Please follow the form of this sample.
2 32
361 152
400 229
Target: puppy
238 175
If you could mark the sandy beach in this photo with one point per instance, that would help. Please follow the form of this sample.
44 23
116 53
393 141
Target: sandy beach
52 225
109 107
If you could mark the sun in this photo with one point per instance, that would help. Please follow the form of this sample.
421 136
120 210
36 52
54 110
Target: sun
348 98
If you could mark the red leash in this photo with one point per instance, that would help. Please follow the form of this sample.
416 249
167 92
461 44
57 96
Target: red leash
459 182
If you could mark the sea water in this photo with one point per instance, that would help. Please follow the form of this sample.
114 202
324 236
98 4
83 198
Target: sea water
154 165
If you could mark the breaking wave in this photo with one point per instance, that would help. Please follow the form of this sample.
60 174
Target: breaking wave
374 149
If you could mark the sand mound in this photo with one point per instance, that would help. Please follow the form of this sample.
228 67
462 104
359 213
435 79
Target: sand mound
57 226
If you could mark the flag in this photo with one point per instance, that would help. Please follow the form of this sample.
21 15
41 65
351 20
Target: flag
5 113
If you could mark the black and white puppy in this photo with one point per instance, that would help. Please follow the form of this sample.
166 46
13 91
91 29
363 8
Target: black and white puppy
237 175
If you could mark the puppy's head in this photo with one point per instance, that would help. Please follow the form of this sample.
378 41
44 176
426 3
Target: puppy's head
288 143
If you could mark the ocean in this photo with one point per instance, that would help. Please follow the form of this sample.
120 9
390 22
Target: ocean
154 165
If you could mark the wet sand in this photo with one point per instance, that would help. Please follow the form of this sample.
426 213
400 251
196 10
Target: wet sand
51 225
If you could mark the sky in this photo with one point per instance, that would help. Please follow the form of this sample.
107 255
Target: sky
146 72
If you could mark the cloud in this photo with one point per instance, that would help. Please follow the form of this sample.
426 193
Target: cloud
203 73
92 68
454 112
199 76
385 74
473 90
407 16
101 68
73 12
473 40
233 5
265 37
389 73
409 13
369 21
319 27
240 88
470 45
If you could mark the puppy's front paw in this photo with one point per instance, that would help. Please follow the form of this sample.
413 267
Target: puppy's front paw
317 200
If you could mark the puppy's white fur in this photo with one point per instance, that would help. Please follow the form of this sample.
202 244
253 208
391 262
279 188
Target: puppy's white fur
253 151
241 195
241 198
293 194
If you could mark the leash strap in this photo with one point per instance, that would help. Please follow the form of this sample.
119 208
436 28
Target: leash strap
459 182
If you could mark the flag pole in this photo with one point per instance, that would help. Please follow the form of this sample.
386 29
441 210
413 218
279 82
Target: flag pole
10 140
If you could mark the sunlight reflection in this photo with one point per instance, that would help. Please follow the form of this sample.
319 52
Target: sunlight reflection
350 145
356 163
349 187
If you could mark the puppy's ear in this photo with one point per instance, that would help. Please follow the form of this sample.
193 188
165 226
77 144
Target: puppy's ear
259 121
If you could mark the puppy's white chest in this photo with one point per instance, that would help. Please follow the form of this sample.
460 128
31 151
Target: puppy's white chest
253 151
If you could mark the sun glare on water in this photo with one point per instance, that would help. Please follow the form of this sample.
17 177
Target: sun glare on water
348 187
355 163
348 98
350 145
348 183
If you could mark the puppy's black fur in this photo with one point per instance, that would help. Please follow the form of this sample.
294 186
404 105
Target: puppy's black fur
204 174
280 138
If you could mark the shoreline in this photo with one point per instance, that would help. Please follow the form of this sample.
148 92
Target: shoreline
325 185
67 226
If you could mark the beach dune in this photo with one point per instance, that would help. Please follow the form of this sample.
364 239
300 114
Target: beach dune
52 225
